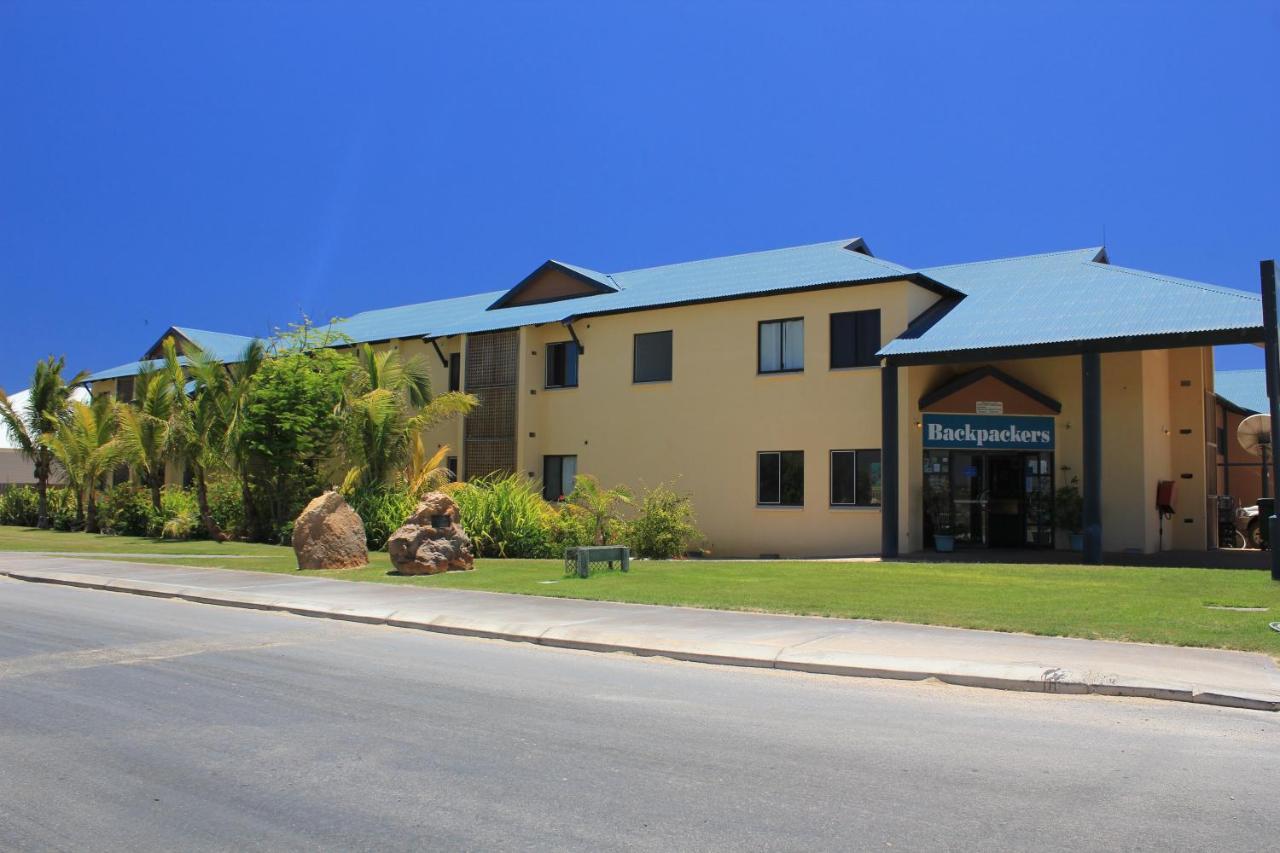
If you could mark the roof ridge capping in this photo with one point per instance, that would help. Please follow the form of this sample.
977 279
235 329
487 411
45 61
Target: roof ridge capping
1098 255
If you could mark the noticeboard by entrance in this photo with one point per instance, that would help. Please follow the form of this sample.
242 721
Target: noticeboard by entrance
988 432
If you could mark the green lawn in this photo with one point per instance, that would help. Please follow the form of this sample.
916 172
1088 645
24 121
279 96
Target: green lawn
1157 605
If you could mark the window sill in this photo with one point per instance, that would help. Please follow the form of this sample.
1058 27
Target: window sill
854 507
779 372
779 506
558 387
650 381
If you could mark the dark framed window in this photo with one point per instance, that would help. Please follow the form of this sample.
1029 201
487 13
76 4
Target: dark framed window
855 478
558 474
780 478
124 389
855 337
652 357
455 371
562 365
451 465
781 346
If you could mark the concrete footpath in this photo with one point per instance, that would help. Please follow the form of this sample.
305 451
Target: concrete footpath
852 647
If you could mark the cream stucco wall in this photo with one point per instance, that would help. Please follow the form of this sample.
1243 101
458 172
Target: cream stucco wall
702 430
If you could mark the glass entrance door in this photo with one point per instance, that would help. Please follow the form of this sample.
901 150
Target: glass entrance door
990 499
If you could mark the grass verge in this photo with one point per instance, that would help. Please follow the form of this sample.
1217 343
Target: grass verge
1153 605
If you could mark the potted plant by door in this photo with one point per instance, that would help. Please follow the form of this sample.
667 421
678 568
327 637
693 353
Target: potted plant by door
944 540
1068 506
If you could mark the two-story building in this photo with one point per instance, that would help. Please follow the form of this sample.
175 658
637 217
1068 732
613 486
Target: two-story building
819 401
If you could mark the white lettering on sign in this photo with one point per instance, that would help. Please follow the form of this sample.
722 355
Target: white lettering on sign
990 407
979 437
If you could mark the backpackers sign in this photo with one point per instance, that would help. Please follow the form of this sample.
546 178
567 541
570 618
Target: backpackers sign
988 432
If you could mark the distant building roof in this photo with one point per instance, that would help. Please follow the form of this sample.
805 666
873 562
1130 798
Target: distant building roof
1244 388
18 400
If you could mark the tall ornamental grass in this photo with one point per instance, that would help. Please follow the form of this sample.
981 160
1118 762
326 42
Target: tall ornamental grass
505 516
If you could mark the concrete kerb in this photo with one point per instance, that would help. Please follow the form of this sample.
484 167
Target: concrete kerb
576 634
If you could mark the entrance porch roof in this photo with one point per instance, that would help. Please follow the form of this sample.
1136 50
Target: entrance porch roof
1069 302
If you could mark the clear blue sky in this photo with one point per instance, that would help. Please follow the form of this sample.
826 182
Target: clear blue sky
231 165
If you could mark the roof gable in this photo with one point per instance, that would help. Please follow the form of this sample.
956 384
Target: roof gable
554 281
988 385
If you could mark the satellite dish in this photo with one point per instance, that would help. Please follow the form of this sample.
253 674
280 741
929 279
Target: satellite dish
1254 434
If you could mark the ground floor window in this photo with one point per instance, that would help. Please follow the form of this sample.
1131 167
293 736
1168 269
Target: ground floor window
451 465
780 478
996 499
855 478
558 474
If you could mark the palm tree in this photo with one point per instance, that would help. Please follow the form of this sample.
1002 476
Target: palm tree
148 427
87 447
210 417
389 405
232 402
48 405
600 506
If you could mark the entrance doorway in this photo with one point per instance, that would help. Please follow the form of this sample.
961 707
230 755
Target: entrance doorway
990 499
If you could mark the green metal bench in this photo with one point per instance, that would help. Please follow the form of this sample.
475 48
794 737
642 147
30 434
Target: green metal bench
578 560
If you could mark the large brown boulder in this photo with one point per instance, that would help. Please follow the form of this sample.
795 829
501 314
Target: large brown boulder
329 535
431 541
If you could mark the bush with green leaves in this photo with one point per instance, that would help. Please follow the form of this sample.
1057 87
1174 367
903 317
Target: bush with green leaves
505 516
664 526
569 528
226 504
382 508
179 516
289 434
64 511
126 510
20 505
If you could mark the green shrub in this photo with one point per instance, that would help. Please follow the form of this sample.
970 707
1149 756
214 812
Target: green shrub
569 528
505 517
126 510
179 515
226 505
20 506
382 509
63 514
664 527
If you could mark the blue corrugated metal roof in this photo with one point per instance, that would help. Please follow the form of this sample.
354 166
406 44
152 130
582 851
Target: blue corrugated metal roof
130 369
1246 388
1071 296
220 345
1038 299
756 273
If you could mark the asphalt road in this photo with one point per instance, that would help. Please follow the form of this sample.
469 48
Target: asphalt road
132 723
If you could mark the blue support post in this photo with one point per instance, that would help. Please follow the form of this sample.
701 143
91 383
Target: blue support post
1091 382
889 461
1272 349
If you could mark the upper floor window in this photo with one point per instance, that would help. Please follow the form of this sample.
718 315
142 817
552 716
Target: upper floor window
652 359
855 337
782 346
562 365
124 389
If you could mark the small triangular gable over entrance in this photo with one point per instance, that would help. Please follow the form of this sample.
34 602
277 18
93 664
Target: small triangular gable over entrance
554 281
988 391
